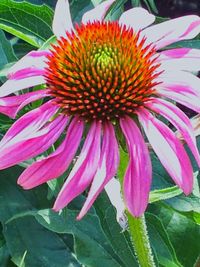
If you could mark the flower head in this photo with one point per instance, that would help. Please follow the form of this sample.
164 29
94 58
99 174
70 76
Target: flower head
104 75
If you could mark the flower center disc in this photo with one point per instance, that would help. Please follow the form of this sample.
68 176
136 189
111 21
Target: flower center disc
101 72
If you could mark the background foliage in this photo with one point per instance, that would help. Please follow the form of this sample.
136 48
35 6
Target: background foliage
31 234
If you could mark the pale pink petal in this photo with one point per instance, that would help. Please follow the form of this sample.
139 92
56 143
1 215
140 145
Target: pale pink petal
174 30
12 86
97 13
45 170
178 119
137 18
10 105
62 21
169 150
138 176
16 151
182 87
34 59
113 190
25 73
108 164
84 169
180 59
29 123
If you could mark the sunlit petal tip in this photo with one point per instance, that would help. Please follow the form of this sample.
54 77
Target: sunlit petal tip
97 13
137 18
62 21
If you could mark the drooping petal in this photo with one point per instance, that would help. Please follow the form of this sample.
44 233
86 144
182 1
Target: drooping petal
84 169
34 59
56 164
182 87
138 176
12 104
108 164
137 18
18 150
113 190
29 123
12 86
174 30
180 59
97 13
178 119
169 150
62 21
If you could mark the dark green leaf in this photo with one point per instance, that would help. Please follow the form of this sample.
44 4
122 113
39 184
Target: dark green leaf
119 239
22 232
6 52
91 245
160 242
29 22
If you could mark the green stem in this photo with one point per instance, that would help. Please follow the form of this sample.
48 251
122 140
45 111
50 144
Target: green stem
140 240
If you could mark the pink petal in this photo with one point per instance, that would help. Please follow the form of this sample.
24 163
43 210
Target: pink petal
108 164
180 59
178 119
12 104
97 13
25 73
171 31
62 21
44 170
182 87
169 150
29 123
84 169
34 59
12 86
137 18
138 176
36 143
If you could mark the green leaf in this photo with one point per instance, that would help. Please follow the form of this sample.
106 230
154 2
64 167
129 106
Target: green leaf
184 234
160 242
186 43
23 233
91 245
6 52
119 239
78 8
116 10
165 193
29 22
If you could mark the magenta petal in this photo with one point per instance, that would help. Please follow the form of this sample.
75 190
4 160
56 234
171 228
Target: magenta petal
12 104
19 149
138 176
178 119
84 169
45 170
34 59
182 87
29 123
108 164
25 73
169 150
180 59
